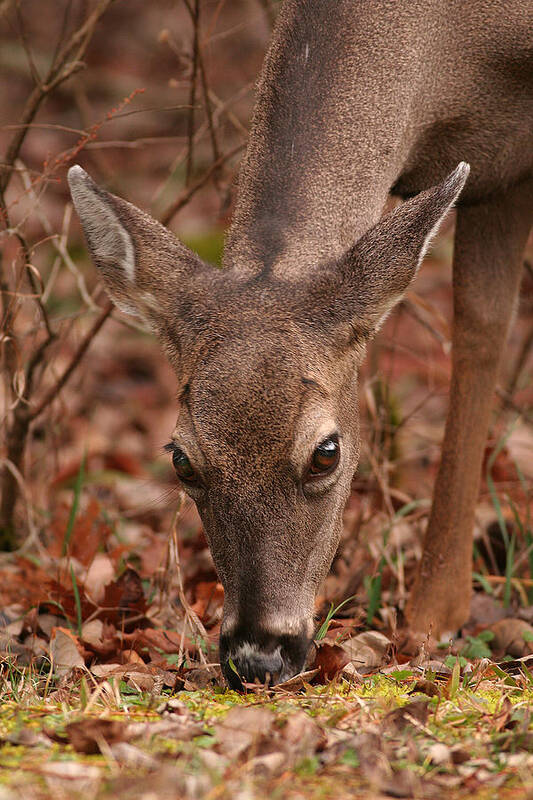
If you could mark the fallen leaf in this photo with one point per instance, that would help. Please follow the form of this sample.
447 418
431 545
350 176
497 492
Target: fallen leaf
130 756
66 651
302 735
100 574
209 598
68 778
329 661
87 735
426 687
296 682
201 678
178 728
242 728
124 596
513 637
399 719
367 650
439 754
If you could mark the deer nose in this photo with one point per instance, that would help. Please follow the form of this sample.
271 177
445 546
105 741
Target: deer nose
248 664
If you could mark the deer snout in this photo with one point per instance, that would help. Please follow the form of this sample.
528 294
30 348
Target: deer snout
248 664
264 658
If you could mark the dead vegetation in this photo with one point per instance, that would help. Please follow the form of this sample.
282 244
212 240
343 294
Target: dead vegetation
110 605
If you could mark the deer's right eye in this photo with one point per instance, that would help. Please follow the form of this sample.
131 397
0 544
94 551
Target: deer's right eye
184 469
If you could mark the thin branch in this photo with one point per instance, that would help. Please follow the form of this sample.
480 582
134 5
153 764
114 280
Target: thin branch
187 194
75 360
58 72
195 15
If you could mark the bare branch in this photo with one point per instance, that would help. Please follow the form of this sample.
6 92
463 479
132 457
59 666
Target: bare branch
187 194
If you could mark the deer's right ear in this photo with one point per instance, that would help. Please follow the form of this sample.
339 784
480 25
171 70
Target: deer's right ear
141 261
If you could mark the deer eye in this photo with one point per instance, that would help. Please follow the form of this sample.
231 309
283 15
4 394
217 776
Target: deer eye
325 458
184 469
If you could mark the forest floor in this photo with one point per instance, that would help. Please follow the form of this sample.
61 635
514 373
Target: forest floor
410 733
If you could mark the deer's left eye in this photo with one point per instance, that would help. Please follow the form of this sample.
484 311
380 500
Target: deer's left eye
325 458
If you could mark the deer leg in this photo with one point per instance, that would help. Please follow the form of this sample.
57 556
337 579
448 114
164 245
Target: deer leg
489 244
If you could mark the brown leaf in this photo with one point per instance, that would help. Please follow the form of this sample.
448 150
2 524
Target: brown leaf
329 661
209 598
70 779
100 574
125 595
178 728
400 718
426 687
99 637
87 735
303 735
167 641
201 678
66 651
296 682
509 637
367 650
89 534
242 728
139 675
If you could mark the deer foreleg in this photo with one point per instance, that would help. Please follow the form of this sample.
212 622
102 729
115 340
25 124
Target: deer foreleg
489 244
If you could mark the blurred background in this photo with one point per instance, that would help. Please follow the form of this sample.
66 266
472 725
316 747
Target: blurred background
154 101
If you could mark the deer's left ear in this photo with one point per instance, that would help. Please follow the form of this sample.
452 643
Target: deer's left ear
376 272
142 263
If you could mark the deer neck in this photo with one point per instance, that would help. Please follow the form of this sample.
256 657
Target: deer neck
325 145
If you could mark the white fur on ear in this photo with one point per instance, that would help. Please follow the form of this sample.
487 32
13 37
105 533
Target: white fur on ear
458 176
110 243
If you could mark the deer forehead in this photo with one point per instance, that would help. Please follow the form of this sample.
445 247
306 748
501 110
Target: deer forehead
257 399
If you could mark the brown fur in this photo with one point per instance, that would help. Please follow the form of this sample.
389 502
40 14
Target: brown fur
356 99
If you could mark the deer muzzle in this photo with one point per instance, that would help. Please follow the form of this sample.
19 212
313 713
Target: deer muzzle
260 656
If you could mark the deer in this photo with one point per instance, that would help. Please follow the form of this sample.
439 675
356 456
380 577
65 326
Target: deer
428 100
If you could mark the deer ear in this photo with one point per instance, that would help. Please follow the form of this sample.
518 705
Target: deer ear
141 261
380 267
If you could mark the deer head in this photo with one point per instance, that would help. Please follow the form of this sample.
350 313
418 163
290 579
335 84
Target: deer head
267 435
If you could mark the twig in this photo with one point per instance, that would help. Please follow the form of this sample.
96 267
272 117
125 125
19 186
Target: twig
208 111
195 15
59 244
59 72
187 194
509 403
75 360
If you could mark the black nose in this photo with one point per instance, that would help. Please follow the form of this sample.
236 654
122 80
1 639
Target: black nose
250 665
250 654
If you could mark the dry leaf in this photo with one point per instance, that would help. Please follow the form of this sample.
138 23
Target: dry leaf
400 718
66 651
439 754
86 735
100 574
367 650
426 687
512 637
329 661
242 728
68 778
302 735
